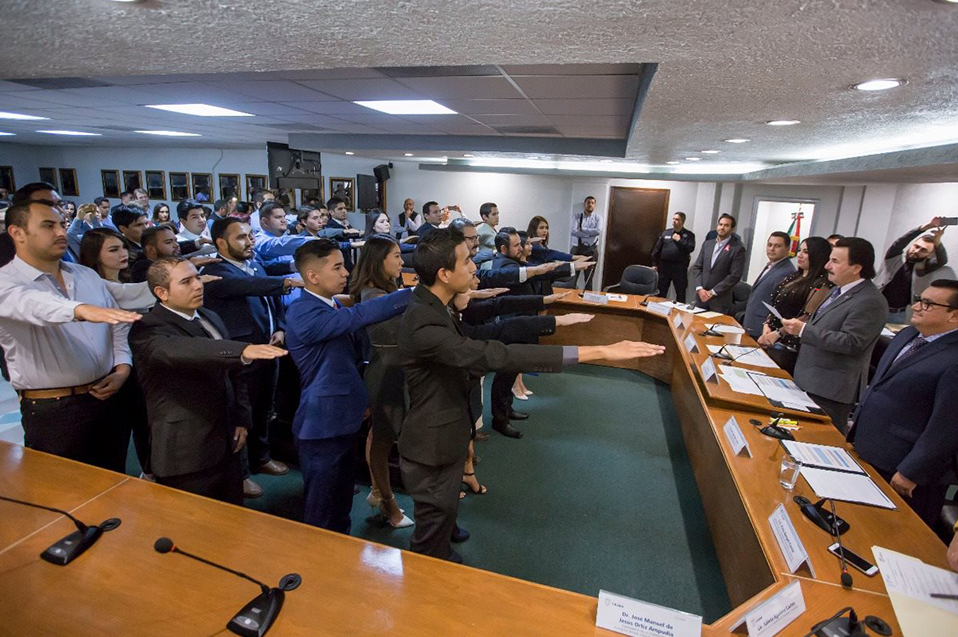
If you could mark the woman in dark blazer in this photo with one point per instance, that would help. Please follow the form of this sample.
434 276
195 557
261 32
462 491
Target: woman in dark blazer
378 273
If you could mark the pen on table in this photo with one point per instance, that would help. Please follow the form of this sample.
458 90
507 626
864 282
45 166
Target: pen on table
944 596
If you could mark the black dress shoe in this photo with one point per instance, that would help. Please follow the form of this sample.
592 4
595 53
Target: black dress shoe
482 436
454 557
459 535
508 431
517 415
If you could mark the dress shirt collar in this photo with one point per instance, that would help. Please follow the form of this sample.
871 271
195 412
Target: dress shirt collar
849 286
720 243
935 337
331 303
32 273
186 317
242 265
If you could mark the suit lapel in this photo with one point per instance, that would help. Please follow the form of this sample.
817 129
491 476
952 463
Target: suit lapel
931 349
841 300
191 328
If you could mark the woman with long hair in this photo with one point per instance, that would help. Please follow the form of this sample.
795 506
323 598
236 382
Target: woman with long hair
104 250
541 252
161 214
378 273
797 296
377 222
69 210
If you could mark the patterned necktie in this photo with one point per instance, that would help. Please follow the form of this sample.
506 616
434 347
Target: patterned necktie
913 347
831 297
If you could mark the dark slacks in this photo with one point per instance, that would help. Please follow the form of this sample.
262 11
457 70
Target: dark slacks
260 379
328 467
435 493
676 274
79 427
130 407
593 253
501 396
838 412
220 482
926 500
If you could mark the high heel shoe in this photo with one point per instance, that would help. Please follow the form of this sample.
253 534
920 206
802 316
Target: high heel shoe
405 522
482 488
374 499
528 393
519 395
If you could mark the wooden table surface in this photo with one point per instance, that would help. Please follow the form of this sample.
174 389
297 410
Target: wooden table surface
351 586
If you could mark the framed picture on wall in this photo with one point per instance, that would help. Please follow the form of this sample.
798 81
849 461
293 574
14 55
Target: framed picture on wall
6 179
49 175
255 183
68 183
179 186
111 183
202 186
156 184
308 194
345 189
230 186
132 179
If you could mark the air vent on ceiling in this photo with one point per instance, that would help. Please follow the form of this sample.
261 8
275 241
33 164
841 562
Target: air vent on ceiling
62 82
438 71
527 130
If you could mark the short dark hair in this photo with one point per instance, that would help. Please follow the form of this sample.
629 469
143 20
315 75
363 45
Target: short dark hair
836 237
220 203
267 208
260 195
486 209
429 204
948 284
332 202
24 193
787 240
726 215
860 252
220 226
587 198
100 200
158 276
315 249
504 238
123 215
150 237
183 208
304 212
436 251
19 213
457 224
681 214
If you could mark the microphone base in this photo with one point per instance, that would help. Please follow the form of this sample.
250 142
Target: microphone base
72 546
256 617
839 627
711 333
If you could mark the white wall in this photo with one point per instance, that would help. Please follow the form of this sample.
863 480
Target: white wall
774 216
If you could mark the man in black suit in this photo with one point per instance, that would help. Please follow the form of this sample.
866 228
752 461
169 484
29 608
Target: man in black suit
671 255
188 370
431 218
719 267
905 423
338 221
250 303
442 366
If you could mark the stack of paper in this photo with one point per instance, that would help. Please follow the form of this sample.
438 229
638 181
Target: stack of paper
685 307
739 380
910 583
747 355
784 392
822 457
848 487
728 329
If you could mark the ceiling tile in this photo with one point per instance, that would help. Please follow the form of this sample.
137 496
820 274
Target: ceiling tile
590 133
463 88
573 86
190 93
440 71
273 91
572 69
581 121
311 118
371 89
69 98
330 74
14 87
329 108
438 121
268 108
514 120
586 106
492 107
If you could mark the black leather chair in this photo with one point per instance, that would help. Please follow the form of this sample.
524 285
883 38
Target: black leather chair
637 279
740 294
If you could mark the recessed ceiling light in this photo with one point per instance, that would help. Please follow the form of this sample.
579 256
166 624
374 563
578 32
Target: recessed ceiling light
671 163
606 161
947 1
407 107
878 85
468 155
74 133
203 110
737 140
710 152
4 115
407 154
349 152
693 159
167 133
783 122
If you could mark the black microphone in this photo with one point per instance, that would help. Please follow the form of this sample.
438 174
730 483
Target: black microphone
711 330
67 549
846 576
254 619
722 354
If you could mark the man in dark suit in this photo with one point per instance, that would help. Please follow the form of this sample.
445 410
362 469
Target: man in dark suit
837 341
905 423
718 268
671 255
250 304
320 336
431 218
338 221
778 267
188 370
442 366
160 241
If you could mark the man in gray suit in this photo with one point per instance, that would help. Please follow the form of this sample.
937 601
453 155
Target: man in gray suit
778 267
837 341
719 267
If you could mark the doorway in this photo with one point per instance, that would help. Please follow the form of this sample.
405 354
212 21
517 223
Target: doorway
792 216
637 216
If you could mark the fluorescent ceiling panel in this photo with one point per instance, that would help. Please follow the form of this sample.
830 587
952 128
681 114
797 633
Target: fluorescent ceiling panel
202 110
408 107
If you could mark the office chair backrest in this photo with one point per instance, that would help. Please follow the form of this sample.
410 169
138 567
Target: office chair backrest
639 279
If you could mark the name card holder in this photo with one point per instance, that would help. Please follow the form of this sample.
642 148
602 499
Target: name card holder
775 613
736 439
659 308
691 345
788 541
631 617
708 371
593 297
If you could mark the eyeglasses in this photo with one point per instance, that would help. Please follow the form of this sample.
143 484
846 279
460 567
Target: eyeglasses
926 304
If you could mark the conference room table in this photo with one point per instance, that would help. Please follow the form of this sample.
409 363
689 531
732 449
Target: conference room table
352 586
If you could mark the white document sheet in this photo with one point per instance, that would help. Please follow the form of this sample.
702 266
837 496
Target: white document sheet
746 355
772 310
910 576
822 456
782 390
739 380
728 329
847 487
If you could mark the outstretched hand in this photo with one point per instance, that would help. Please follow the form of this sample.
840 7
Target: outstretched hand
624 350
262 352
565 320
487 293
552 298
111 315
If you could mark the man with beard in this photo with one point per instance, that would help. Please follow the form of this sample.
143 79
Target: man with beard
906 257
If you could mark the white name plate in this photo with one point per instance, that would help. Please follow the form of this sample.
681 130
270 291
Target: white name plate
593 297
631 617
691 346
736 439
677 321
708 370
659 308
775 613
788 541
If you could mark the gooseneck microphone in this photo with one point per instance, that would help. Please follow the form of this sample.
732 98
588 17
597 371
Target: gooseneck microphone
846 576
254 619
67 549
711 331
722 353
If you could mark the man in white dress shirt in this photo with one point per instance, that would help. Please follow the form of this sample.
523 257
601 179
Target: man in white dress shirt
587 228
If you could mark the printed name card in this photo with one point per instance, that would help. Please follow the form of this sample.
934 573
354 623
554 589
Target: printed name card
774 614
708 371
677 321
736 439
631 617
659 308
593 297
691 346
788 541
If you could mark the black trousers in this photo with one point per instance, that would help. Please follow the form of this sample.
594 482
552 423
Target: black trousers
260 379
328 467
435 493
838 412
593 253
501 396
220 482
130 408
79 427
926 500
676 274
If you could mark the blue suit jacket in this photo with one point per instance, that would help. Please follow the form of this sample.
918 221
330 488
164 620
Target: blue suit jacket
755 310
906 419
244 302
320 341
